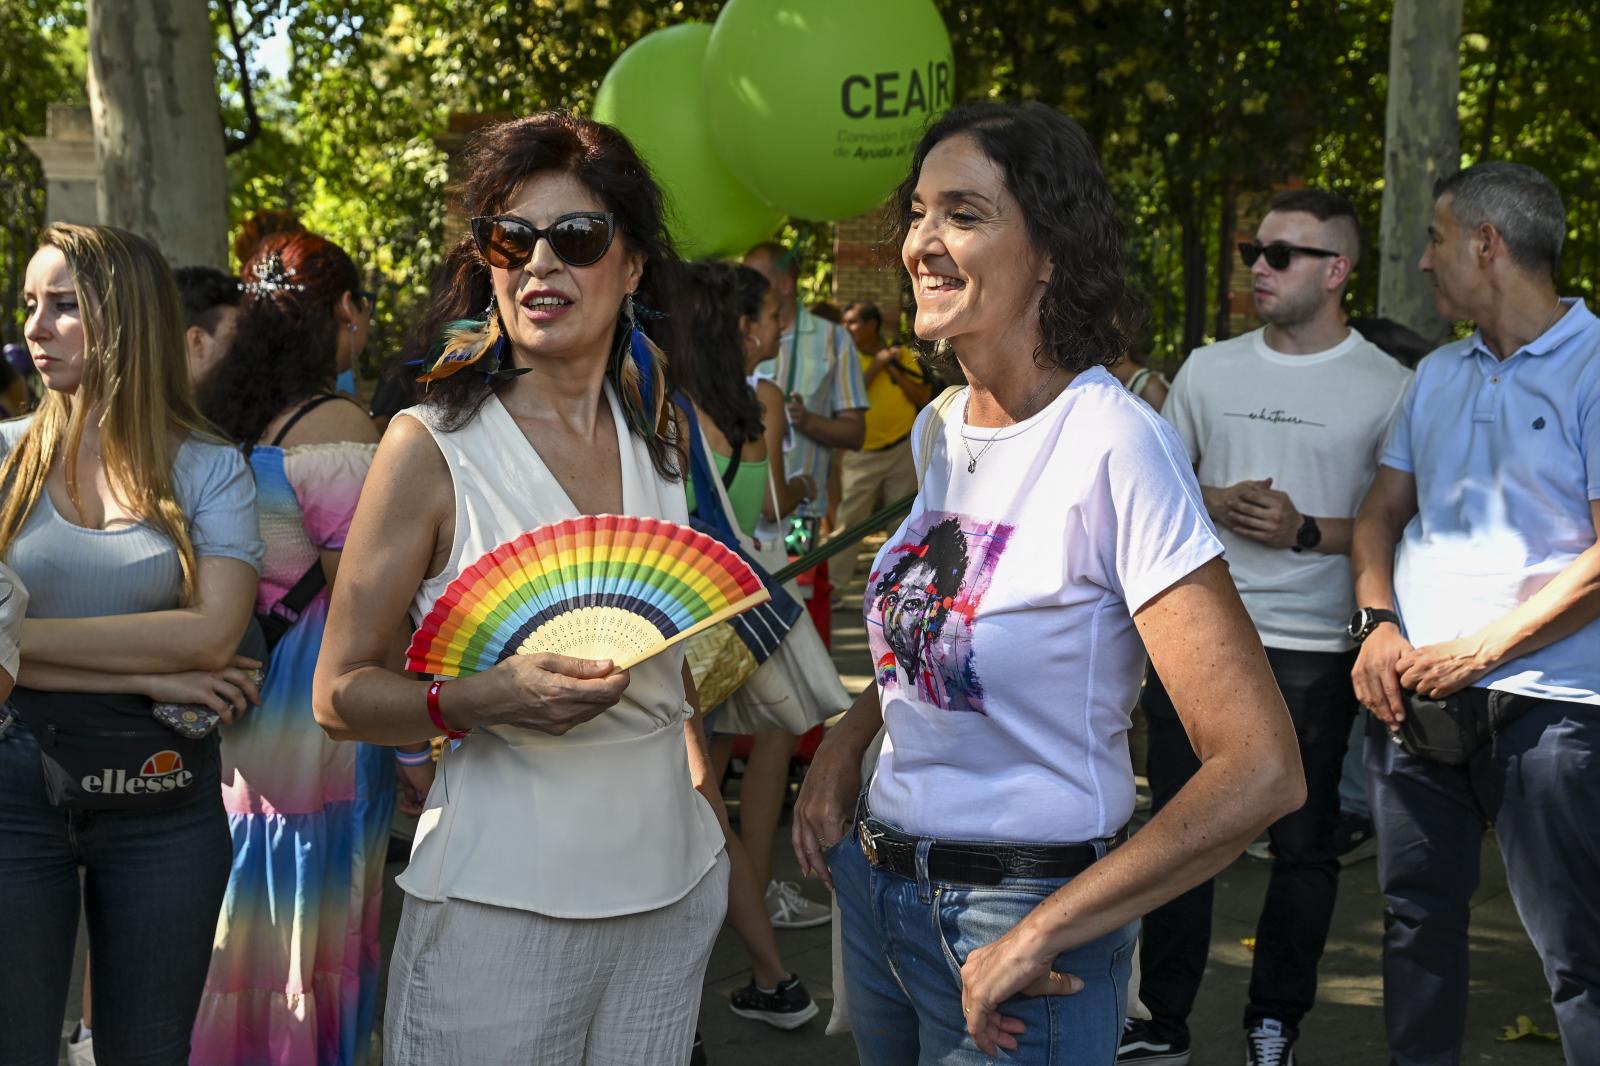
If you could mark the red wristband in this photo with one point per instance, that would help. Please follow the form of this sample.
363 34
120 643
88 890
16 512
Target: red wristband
438 716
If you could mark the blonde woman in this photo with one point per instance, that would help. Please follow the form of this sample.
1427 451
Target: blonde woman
135 531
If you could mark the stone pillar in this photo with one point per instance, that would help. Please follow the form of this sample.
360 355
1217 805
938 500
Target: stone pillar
66 152
866 267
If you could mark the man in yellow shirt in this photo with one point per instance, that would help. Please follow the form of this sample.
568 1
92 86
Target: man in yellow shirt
883 470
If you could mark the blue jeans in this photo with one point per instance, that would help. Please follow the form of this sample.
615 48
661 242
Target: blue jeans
152 886
904 942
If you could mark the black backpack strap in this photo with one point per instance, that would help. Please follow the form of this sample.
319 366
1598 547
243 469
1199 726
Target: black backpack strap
286 612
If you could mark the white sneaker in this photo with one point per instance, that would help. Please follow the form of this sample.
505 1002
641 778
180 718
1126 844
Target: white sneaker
80 1048
788 909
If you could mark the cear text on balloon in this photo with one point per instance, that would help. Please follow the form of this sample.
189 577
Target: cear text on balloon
882 95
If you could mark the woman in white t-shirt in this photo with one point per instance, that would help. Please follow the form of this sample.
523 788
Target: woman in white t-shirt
987 900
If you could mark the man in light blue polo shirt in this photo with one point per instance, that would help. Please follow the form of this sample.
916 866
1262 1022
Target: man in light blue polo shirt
1490 487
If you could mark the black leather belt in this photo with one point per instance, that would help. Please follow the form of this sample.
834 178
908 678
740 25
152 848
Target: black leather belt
971 862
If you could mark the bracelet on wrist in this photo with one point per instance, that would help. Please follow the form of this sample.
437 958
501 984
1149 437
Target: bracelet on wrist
437 715
414 758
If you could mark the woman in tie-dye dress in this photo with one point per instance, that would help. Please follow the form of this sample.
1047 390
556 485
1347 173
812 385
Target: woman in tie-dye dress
294 970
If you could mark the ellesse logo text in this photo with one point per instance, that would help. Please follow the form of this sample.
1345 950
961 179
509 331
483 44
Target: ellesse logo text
161 772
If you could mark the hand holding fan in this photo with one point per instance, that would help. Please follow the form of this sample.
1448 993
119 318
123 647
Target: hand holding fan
618 587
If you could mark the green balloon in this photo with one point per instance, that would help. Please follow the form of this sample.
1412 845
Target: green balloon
817 105
652 94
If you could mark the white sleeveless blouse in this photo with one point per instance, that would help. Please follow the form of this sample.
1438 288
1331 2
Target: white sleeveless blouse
604 820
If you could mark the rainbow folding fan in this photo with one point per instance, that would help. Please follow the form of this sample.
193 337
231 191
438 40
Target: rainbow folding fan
618 587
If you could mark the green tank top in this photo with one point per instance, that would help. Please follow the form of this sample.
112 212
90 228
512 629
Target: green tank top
748 491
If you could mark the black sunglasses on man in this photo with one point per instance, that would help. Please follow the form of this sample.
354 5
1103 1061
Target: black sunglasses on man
1279 255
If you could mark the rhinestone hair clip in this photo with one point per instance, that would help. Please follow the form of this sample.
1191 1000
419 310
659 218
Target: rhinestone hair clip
272 278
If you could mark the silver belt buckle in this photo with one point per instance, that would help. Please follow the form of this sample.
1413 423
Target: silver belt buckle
869 842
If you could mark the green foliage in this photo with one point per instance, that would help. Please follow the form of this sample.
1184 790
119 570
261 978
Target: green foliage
1196 103
1530 81
1200 107
354 136
42 63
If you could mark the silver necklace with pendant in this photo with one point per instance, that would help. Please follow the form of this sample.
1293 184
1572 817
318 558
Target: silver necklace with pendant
1027 405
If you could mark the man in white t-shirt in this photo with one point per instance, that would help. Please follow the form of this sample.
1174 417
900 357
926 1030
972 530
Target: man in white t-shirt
1285 426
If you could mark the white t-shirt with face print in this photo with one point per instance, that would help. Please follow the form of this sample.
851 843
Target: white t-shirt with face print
1000 616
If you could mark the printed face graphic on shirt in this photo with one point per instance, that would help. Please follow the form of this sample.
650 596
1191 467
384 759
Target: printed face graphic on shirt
923 604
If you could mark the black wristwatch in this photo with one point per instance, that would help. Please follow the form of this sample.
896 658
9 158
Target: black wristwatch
1365 620
1308 536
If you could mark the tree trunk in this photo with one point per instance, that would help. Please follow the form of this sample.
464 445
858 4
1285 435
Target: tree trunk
1227 223
1192 257
1423 144
158 133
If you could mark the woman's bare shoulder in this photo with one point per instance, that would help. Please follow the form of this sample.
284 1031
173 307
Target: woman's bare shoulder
333 422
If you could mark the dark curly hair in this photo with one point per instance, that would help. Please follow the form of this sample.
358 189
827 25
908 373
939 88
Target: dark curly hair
288 337
710 368
1088 315
498 160
205 291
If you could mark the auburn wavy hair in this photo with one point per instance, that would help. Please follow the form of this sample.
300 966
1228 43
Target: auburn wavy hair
498 161
287 340
135 379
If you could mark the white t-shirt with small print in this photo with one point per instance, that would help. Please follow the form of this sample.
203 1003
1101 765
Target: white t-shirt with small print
1316 425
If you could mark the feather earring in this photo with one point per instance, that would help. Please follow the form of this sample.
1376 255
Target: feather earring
462 343
467 341
641 372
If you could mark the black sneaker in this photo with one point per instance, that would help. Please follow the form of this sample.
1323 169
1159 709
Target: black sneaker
788 1006
697 1057
1142 1044
1270 1043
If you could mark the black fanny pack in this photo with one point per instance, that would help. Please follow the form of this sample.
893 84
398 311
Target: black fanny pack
106 752
1451 730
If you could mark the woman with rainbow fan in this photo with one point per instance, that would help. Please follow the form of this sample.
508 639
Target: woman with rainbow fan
294 973
564 849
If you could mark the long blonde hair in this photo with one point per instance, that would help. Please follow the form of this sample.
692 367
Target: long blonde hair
134 374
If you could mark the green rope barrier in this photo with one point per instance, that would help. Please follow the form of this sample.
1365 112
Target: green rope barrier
849 538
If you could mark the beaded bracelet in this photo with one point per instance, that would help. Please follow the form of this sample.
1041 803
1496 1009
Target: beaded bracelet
438 716
414 758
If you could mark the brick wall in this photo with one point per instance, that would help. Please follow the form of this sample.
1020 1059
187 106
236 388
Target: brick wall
866 268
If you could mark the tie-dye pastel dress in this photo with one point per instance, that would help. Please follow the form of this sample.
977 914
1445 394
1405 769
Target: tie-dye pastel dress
294 971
